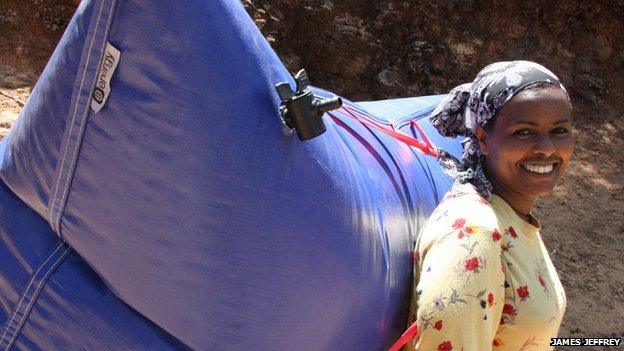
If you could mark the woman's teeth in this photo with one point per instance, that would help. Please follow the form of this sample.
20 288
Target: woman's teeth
539 169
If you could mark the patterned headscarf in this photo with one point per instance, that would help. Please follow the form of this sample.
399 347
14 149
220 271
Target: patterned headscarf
474 104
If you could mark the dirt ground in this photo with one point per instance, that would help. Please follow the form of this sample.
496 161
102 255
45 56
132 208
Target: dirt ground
583 220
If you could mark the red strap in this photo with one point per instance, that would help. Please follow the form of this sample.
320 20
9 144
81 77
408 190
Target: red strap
425 147
422 133
410 333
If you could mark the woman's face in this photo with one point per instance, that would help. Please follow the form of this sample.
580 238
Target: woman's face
529 147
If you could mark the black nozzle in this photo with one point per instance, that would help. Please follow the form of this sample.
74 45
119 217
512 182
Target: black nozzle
302 110
326 105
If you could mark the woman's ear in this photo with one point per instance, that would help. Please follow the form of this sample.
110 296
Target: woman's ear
482 138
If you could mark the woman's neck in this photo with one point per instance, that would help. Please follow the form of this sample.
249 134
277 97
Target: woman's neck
521 203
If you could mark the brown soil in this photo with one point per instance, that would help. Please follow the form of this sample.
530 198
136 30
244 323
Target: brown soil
367 50
29 31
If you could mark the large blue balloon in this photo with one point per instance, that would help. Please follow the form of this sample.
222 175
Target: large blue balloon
182 215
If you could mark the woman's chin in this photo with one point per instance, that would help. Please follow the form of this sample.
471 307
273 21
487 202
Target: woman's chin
537 184
540 190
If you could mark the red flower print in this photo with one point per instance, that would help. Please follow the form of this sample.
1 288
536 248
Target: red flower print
460 234
497 342
459 223
496 235
523 292
509 309
490 299
512 232
505 247
468 230
541 280
472 264
438 325
445 346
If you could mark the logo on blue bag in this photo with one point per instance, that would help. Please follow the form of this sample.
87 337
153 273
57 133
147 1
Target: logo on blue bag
102 84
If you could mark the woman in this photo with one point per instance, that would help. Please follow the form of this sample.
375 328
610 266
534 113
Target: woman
484 278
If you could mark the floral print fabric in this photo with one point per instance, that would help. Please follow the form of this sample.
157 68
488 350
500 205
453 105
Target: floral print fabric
483 279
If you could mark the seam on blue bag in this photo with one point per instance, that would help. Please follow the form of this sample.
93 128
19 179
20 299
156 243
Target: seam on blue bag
53 206
83 102
368 115
416 116
36 293
30 294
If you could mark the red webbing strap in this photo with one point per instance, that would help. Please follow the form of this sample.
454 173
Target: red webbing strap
422 133
410 333
425 147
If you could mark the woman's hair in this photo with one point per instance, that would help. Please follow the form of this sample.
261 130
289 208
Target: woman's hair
476 104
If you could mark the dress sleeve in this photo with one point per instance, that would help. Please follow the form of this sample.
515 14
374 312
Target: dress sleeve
460 291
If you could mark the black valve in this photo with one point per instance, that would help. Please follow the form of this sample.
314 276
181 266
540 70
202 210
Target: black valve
302 110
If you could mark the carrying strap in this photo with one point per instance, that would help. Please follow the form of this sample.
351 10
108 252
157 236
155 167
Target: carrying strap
425 146
409 334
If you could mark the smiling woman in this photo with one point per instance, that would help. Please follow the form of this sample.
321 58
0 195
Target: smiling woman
483 278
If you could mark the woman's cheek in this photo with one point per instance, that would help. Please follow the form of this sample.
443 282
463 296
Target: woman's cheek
518 150
565 147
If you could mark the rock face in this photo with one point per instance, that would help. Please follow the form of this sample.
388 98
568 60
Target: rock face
367 49
29 32
375 50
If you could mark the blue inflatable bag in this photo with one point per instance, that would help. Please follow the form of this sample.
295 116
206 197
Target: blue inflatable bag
155 201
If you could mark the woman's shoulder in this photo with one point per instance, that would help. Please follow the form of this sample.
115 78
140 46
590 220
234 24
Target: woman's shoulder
462 209
464 192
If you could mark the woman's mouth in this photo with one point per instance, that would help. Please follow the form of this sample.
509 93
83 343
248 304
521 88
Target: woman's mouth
540 169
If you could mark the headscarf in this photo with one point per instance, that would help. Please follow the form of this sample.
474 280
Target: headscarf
475 104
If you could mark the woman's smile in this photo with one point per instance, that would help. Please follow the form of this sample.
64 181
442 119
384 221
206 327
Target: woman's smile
540 169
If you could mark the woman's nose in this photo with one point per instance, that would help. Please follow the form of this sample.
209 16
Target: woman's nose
544 146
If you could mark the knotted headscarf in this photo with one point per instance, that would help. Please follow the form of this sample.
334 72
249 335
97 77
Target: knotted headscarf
475 104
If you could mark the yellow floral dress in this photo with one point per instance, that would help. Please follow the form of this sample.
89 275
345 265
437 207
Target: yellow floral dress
484 280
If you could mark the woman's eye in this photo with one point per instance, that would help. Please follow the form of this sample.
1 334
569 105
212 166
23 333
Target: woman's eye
523 132
561 130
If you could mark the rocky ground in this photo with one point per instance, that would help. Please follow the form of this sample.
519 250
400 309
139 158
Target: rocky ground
364 50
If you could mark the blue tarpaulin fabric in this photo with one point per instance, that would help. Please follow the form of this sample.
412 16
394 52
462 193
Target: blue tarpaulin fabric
182 215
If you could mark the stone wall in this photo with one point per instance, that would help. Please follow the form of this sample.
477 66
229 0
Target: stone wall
376 50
